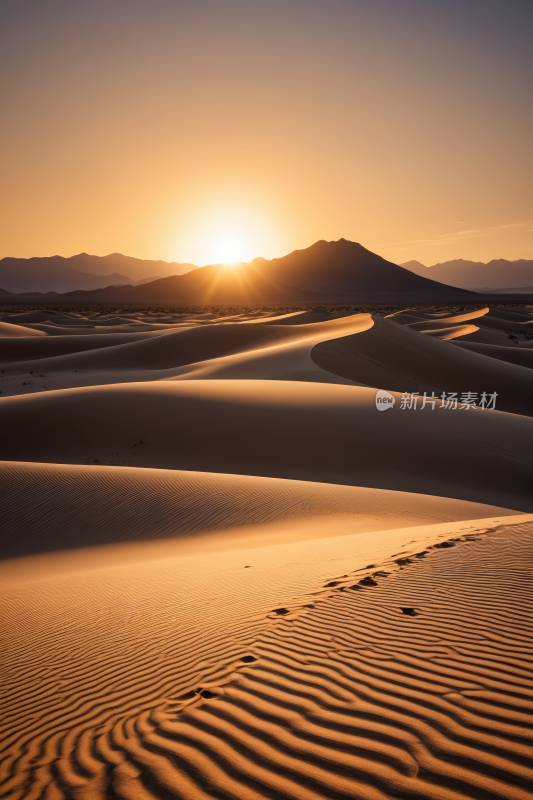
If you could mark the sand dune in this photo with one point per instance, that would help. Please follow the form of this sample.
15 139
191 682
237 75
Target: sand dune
91 330
55 507
29 316
226 574
513 355
358 349
176 348
289 356
448 331
233 350
410 316
73 324
281 429
397 358
492 325
515 315
478 314
275 672
486 336
296 318
9 331
497 324
44 347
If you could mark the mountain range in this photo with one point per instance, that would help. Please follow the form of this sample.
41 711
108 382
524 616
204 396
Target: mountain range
498 274
83 271
327 272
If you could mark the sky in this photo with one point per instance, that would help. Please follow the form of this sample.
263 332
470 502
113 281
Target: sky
219 130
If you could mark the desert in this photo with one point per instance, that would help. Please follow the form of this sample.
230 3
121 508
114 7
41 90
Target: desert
226 574
266 400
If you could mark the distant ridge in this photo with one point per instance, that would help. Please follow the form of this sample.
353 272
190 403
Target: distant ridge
81 272
498 274
327 272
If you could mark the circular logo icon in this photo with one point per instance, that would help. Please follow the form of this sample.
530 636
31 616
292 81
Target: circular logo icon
384 400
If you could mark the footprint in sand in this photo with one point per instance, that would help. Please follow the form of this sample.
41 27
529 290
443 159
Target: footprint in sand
402 562
368 581
187 695
205 693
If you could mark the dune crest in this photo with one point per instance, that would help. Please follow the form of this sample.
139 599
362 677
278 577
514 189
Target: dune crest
50 507
10 331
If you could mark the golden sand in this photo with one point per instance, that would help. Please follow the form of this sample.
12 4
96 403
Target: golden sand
227 575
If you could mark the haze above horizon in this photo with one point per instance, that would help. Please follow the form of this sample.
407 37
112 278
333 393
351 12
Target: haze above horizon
208 132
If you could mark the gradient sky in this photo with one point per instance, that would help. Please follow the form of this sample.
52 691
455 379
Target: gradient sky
179 130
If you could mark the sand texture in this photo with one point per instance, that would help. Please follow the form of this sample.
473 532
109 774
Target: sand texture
10 331
226 574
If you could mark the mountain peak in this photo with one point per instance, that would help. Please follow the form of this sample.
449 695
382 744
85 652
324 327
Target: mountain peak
412 264
335 243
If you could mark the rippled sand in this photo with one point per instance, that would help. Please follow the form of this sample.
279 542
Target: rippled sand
226 574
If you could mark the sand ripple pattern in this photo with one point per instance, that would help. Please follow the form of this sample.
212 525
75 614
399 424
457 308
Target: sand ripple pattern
54 506
348 697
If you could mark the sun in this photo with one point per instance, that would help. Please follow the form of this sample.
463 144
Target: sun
226 234
229 249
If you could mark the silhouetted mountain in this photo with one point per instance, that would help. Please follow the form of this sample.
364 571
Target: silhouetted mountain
83 271
477 276
334 272
29 297
415 266
137 268
217 284
347 270
512 290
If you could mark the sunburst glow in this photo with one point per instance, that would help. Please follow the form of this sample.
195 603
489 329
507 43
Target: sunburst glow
229 249
226 234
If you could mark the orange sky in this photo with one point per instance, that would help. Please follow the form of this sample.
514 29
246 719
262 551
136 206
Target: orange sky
167 129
